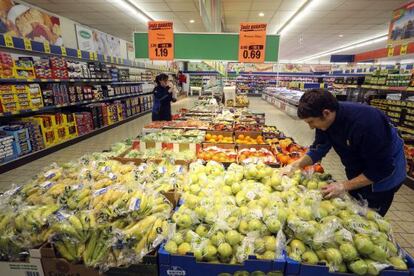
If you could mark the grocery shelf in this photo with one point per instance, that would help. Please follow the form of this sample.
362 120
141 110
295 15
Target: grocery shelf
28 112
38 154
12 80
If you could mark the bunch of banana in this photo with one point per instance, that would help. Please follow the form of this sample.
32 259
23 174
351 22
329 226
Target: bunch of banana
76 226
97 247
76 197
31 218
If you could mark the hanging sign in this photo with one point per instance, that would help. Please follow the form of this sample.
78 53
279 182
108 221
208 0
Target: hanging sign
403 49
390 50
252 42
160 40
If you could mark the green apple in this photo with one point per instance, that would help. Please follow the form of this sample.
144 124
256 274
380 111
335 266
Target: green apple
195 189
372 215
339 203
322 184
198 254
184 221
379 254
178 238
321 254
233 222
184 248
225 250
269 255
343 236
341 268
297 246
348 252
372 266
191 236
217 238
201 230
270 243
275 180
330 208
259 246
233 237
344 214
312 185
295 256
359 267
230 178
255 225
384 226
379 238
321 213
235 188
364 245
392 248
201 212
310 257
333 256
241 199
227 190
243 227
305 213
282 214
398 263
273 224
171 247
210 218
210 252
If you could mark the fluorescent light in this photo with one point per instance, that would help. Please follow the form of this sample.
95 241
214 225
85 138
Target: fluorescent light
261 14
341 35
133 10
300 13
192 21
347 47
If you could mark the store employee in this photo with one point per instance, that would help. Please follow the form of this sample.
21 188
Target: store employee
363 137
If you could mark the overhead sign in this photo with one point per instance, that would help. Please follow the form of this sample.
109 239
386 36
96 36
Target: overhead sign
252 42
401 28
160 40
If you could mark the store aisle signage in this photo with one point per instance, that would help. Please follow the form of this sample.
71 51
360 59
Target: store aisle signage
401 28
252 42
160 40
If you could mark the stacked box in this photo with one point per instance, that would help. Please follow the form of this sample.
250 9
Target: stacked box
21 143
84 122
8 98
22 95
87 93
98 70
47 126
42 69
6 148
6 65
35 133
75 69
35 96
24 69
97 92
59 68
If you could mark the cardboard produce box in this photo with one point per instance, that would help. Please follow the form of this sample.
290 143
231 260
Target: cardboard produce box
32 267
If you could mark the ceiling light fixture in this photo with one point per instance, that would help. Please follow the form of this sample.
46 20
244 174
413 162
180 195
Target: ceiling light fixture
347 47
300 13
132 9
341 35
192 21
261 14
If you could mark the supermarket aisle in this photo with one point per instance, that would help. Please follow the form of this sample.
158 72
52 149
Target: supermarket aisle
96 143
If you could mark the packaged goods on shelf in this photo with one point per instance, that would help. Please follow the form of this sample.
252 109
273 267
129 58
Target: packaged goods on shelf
42 69
98 70
35 133
24 68
6 65
77 69
21 143
84 122
7 151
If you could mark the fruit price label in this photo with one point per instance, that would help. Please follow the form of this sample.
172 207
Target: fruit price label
63 51
160 40
390 51
403 49
79 53
252 42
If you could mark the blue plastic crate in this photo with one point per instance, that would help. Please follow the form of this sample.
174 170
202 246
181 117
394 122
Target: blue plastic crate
296 268
170 264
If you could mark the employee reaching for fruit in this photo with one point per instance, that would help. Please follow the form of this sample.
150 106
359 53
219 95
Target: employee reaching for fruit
363 137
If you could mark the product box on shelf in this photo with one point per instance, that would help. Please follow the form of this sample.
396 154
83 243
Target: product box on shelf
23 68
171 264
7 152
6 65
31 267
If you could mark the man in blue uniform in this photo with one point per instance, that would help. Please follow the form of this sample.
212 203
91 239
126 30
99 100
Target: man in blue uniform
363 137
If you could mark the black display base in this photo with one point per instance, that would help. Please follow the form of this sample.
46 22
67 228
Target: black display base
38 154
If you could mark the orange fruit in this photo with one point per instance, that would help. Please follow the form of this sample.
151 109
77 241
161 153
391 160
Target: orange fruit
241 136
208 136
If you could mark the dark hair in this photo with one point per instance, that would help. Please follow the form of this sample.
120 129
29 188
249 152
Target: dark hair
314 101
160 77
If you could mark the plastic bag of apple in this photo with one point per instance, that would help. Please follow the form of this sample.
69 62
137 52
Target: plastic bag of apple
252 155
342 233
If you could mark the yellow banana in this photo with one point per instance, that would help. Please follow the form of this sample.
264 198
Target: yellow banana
76 223
141 227
64 251
155 230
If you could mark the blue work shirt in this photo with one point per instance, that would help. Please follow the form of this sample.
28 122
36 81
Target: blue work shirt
366 142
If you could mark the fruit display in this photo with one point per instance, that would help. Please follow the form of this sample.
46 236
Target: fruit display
174 136
92 210
222 126
269 129
218 154
346 236
247 139
219 138
242 101
156 154
247 127
228 215
253 155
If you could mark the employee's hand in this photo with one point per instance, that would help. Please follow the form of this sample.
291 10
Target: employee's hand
289 169
335 189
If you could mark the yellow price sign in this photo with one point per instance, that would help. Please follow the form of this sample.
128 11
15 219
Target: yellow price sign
79 53
403 49
112 59
95 55
91 55
46 47
27 44
390 51
63 51
8 40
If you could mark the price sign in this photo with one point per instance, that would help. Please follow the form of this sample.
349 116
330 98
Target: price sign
46 46
160 40
8 40
63 51
91 55
27 44
252 42
403 49
79 53
95 55
390 51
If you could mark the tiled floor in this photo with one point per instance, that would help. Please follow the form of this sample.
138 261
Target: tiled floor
401 213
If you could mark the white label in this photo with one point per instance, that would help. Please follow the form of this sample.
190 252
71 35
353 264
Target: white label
46 185
105 169
250 195
135 204
176 271
49 174
112 176
100 191
162 170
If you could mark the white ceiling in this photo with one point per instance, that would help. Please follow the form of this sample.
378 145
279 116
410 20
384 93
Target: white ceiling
316 32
